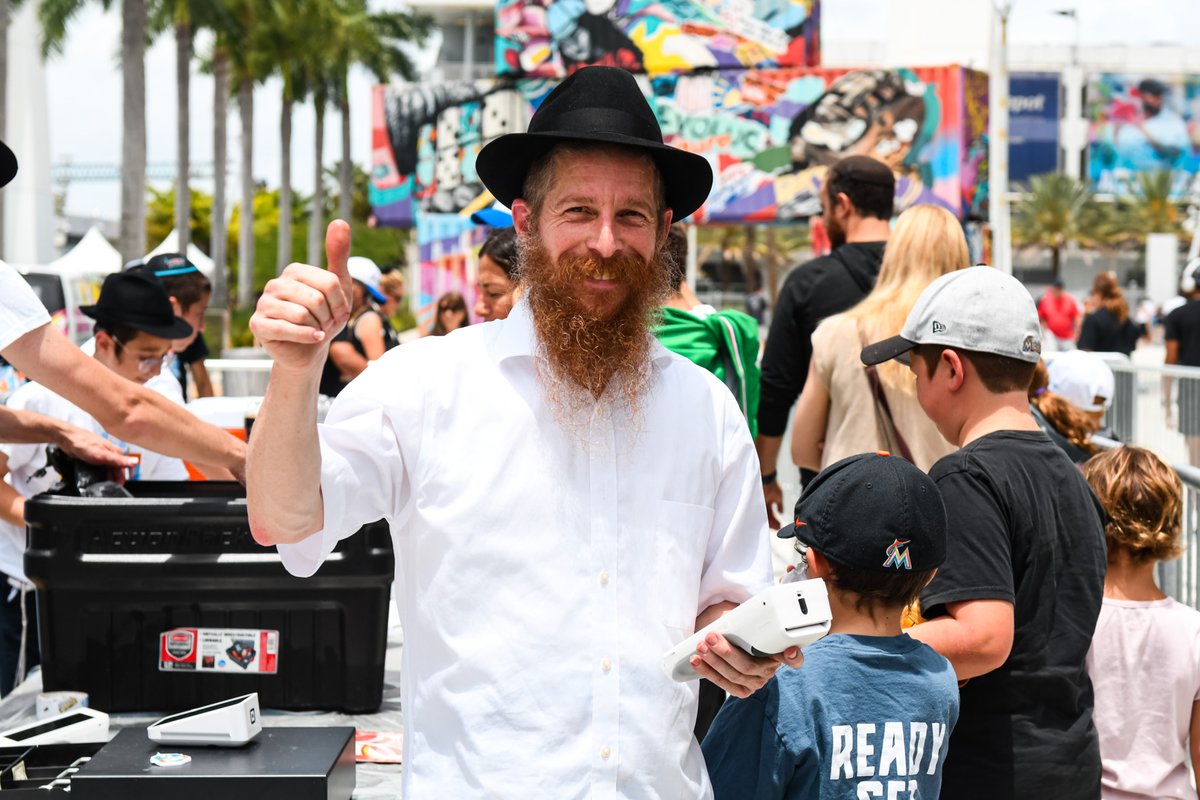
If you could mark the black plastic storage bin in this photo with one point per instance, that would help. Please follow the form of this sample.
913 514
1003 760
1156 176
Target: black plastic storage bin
112 575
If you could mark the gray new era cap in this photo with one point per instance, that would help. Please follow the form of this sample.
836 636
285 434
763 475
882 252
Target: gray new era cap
978 308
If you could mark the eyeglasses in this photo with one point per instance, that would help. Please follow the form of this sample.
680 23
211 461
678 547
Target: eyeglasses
145 366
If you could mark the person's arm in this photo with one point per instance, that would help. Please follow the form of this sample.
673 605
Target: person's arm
130 412
784 369
1171 334
976 636
28 427
969 602
201 379
12 504
729 666
768 453
1194 738
809 421
349 362
369 331
297 316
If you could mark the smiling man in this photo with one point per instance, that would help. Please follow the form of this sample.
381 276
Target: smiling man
567 499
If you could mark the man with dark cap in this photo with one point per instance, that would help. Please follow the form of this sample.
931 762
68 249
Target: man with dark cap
856 199
1159 138
135 414
134 328
567 498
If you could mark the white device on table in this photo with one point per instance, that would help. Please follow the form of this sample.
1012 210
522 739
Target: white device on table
77 726
785 615
229 723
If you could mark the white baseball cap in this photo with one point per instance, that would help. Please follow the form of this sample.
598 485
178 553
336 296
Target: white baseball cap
1083 379
978 309
364 270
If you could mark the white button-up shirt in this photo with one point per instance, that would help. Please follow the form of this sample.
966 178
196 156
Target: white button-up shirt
542 570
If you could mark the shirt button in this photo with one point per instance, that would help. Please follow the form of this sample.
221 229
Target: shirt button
604 577
605 752
606 665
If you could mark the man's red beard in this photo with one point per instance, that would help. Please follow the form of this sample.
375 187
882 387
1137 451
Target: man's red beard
587 349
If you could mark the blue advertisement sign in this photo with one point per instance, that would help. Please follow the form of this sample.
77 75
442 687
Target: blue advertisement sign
1033 114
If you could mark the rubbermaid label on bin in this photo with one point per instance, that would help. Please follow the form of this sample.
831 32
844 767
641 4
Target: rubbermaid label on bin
219 650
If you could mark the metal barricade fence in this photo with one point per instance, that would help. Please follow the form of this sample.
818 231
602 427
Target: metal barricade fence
1158 407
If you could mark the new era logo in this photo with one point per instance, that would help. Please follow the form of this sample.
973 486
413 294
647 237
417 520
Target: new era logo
897 555
938 327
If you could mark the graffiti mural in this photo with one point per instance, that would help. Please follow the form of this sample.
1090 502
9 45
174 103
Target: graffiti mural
552 38
424 142
1142 123
770 136
447 246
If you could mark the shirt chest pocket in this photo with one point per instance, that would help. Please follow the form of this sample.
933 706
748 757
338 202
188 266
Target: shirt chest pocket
682 532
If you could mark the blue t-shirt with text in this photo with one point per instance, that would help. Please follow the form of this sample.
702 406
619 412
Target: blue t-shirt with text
865 717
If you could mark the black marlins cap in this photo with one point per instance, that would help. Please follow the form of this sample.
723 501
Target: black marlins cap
873 512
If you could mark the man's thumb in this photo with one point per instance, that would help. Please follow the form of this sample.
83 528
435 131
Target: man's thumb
337 251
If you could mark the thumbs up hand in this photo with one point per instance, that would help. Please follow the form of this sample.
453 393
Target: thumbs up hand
301 311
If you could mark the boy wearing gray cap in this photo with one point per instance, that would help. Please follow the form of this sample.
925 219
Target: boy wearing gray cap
869 713
1016 601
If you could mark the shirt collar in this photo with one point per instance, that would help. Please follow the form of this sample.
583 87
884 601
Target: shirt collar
516 337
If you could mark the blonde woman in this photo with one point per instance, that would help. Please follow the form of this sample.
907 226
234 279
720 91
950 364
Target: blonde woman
846 409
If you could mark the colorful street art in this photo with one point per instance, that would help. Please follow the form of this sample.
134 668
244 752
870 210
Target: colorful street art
447 244
1140 123
770 136
552 38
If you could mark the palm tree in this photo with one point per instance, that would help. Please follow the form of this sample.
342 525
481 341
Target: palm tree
1057 210
294 35
184 18
374 41
242 41
1148 207
55 15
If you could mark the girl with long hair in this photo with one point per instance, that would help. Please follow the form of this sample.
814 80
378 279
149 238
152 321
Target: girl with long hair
845 409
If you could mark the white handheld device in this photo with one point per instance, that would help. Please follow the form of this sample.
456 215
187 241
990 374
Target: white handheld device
77 726
785 615
229 723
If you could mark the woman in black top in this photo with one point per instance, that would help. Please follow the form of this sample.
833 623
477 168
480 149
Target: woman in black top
367 335
1109 328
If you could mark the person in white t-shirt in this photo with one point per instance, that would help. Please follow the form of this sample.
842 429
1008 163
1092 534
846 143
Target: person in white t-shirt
134 328
1145 655
43 354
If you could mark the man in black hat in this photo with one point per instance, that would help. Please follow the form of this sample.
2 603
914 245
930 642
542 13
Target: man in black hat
136 414
568 500
134 328
856 199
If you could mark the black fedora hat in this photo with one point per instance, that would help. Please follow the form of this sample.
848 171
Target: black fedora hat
595 104
8 164
139 301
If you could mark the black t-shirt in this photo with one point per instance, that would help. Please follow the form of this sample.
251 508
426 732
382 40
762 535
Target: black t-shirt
1025 527
196 351
1183 325
812 292
1102 333
331 380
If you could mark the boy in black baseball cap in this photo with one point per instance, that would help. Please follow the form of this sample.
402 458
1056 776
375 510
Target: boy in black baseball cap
869 713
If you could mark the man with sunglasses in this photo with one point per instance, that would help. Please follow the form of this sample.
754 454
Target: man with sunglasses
135 325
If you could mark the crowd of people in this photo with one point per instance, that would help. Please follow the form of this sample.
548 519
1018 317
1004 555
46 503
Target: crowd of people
584 480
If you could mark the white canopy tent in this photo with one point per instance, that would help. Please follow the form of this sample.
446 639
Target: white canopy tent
92 256
194 253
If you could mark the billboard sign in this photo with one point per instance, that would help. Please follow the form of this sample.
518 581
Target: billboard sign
1033 121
